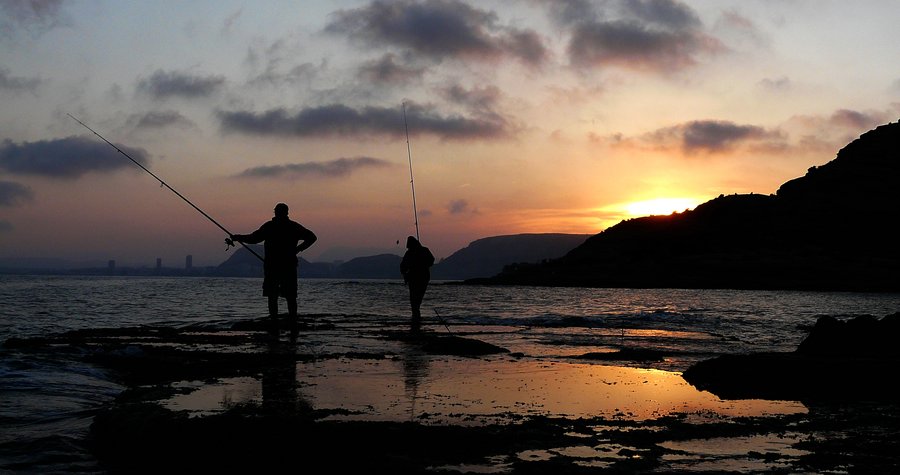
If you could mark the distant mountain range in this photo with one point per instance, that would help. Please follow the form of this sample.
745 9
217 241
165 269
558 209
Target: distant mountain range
481 258
832 229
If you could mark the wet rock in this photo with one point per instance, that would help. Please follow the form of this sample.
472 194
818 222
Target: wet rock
838 361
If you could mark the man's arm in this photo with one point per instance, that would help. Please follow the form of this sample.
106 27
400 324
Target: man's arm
255 237
307 238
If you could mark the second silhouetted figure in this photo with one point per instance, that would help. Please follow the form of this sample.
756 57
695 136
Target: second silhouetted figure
415 268
284 239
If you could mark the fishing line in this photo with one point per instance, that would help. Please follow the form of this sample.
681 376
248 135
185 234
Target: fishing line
228 240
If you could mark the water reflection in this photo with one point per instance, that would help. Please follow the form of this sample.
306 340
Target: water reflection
279 379
415 370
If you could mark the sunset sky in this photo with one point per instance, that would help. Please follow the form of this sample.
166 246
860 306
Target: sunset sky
524 116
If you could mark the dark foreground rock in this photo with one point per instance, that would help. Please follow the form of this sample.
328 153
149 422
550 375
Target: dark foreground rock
848 360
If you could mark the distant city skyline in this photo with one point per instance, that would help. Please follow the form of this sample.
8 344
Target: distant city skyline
530 116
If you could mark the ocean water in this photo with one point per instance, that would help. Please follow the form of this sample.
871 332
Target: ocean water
47 403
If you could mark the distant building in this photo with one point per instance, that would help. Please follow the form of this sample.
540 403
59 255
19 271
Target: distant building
158 263
189 262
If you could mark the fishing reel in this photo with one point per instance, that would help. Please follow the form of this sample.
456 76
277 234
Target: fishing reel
229 243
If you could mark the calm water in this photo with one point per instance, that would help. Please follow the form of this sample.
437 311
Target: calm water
46 404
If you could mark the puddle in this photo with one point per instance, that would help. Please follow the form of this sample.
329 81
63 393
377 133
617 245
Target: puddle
467 391
759 453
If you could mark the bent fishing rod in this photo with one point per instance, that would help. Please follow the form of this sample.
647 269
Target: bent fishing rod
412 182
228 240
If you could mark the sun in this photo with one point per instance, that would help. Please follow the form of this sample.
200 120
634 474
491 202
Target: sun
659 206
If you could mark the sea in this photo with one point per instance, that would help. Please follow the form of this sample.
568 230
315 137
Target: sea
47 403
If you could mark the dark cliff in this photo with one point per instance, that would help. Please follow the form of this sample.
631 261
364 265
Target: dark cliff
832 229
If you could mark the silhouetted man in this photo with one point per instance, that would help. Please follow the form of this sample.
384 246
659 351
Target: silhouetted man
415 268
282 244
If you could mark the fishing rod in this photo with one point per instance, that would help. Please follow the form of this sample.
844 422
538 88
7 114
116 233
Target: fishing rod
228 240
442 321
412 183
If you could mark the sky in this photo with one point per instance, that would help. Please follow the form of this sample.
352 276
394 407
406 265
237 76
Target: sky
522 116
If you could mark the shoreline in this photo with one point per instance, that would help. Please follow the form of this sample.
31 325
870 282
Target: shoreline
207 397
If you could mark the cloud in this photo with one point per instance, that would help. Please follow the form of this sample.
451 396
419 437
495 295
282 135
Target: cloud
386 71
712 136
702 136
158 120
801 134
274 63
781 84
35 16
5 226
163 84
458 206
13 194
570 12
341 120
438 29
828 133
635 46
16 84
852 119
69 157
645 35
666 13
334 169
479 99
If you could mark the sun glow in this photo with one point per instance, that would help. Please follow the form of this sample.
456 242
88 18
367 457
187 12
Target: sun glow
659 206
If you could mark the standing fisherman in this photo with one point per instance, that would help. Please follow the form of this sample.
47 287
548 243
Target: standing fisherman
282 238
415 269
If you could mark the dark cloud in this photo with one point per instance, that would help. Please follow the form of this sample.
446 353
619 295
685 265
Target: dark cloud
162 84
458 206
716 135
12 193
69 157
570 12
649 35
36 16
481 101
15 84
712 136
438 29
5 226
158 120
386 70
666 13
633 45
333 169
341 120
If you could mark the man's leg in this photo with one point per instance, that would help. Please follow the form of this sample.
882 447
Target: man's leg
416 295
273 313
292 316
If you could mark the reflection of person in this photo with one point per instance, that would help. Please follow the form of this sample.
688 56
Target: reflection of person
415 269
415 372
282 244
279 380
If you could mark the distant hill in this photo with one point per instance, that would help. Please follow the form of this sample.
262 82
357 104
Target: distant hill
382 266
244 264
481 258
832 229
487 257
